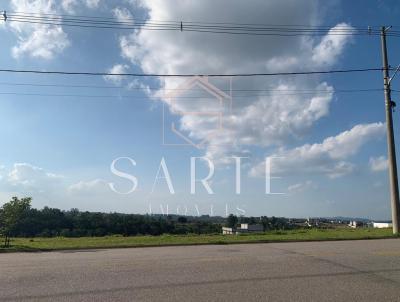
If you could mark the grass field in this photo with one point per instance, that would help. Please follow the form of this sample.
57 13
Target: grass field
62 243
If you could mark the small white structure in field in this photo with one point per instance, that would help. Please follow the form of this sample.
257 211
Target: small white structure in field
244 228
353 224
382 225
228 231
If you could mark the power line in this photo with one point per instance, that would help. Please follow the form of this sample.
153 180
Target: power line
224 25
204 27
339 71
177 25
134 19
263 32
135 97
161 89
55 17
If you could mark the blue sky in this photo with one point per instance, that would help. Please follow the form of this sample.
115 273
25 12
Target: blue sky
58 149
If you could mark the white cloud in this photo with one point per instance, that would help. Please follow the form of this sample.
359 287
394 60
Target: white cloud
69 6
92 3
1 171
50 189
331 46
122 14
72 6
378 164
95 185
27 176
37 40
43 40
116 69
261 120
327 158
302 186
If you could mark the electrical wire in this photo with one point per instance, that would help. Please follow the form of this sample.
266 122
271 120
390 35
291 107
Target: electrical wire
204 27
164 21
315 72
160 89
135 97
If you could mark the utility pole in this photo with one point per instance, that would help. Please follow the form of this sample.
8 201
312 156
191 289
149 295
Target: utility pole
389 104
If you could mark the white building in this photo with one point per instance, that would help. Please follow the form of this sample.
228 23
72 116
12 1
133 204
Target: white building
353 224
244 228
228 231
382 225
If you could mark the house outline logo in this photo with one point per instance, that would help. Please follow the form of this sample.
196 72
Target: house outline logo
202 83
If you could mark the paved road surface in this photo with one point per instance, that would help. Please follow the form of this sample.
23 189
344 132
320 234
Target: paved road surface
314 271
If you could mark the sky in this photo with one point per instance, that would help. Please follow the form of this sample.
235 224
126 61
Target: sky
62 135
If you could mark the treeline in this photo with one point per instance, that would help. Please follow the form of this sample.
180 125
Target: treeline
50 222
268 223
19 219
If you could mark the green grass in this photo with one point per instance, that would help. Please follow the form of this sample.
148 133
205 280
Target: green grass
62 243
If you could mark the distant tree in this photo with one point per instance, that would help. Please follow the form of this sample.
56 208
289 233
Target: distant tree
274 222
11 214
182 219
265 223
50 222
231 221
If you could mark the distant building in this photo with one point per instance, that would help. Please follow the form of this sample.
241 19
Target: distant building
297 222
382 224
353 224
249 228
312 222
228 231
243 229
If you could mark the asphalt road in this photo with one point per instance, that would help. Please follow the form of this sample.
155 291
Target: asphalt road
313 271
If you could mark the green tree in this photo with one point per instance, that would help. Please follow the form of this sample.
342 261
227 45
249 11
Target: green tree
182 219
231 221
265 223
11 214
274 222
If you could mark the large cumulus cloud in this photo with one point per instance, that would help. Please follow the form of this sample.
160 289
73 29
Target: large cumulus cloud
262 119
